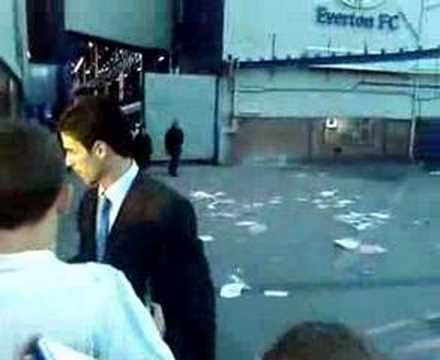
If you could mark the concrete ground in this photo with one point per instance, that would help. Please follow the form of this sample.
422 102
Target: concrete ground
273 228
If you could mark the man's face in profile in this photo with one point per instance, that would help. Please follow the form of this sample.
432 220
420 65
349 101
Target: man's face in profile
86 164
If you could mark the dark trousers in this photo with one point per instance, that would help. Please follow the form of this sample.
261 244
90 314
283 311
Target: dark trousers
173 164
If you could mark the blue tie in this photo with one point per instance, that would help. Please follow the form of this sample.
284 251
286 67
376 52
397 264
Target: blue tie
102 226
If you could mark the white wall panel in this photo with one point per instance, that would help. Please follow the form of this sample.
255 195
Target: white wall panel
191 100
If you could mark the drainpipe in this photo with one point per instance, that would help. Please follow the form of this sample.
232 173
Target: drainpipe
414 110
412 135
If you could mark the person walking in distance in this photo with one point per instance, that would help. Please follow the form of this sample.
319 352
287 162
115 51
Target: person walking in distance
174 139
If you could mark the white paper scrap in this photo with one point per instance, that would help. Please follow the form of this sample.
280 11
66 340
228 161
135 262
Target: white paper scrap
347 243
206 238
390 327
227 215
345 202
329 193
226 201
233 290
275 202
371 249
212 206
363 226
201 195
257 229
380 215
276 293
245 223
322 206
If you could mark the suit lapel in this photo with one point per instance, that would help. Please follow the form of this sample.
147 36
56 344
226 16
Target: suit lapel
89 221
127 207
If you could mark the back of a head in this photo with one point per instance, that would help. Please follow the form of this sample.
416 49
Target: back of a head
94 118
31 173
320 341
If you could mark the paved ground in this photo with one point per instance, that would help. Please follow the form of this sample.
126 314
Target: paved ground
272 228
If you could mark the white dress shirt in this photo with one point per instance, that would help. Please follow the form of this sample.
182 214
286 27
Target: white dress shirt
89 307
117 192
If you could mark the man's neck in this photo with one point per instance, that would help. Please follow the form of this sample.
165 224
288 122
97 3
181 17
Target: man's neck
119 166
41 236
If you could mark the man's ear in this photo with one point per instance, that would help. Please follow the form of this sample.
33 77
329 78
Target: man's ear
64 199
100 149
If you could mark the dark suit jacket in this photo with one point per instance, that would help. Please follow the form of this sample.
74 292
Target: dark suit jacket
174 138
154 241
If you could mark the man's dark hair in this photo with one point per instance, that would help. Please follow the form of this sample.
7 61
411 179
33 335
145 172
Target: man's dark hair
95 118
31 173
321 341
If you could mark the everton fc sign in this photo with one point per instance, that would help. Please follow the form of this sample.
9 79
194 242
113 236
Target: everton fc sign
357 18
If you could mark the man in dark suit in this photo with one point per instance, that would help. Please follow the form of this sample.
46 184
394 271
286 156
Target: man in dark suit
140 225
174 138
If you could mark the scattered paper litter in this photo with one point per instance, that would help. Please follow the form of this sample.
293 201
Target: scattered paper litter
329 193
381 215
257 229
233 290
371 249
345 202
339 206
206 238
276 293
390 327
362 222
201 195
245 223
226 201
363 226
347 243
212 206
363 249
227 215
419 222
